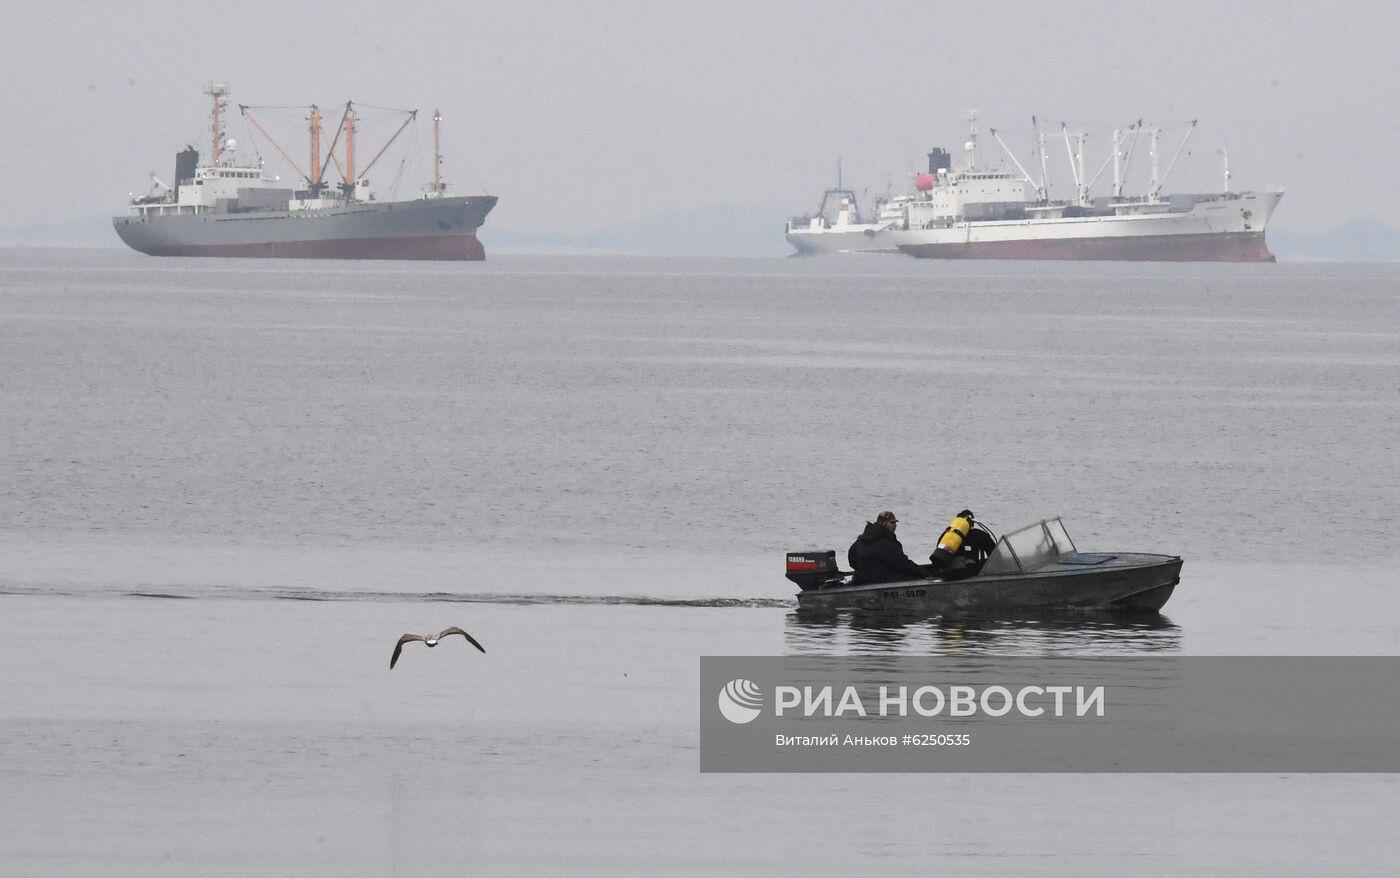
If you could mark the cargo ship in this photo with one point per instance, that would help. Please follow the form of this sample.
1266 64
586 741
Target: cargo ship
231 206
978 212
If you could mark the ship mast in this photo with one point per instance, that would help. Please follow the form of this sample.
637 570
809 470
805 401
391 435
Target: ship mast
1117 163
1154 185
218 91
970 148
315 181
437 154
1044 161
350 148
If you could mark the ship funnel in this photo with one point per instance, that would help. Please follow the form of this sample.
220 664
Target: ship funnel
939 160
186 160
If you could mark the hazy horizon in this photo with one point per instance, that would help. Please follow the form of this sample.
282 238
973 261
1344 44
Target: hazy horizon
586 117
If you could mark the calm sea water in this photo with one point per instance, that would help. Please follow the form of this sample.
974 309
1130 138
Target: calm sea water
229 486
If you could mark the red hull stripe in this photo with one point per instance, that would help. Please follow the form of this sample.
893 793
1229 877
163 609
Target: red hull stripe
464 248
1218 247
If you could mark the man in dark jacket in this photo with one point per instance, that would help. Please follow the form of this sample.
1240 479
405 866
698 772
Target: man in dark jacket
878 556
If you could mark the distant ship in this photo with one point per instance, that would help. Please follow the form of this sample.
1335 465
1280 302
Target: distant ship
838 227
233 207
987 213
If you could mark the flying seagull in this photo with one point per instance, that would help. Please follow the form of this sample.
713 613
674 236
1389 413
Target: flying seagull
430 640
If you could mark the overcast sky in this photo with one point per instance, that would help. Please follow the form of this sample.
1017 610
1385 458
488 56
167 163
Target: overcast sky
583 115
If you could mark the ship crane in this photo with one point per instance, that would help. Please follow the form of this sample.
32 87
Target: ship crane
1116 160
1155 193
411 115
1122 158
1124 145
151 197
1044 159
1040 188
351 177
1076 165
244 109
346 127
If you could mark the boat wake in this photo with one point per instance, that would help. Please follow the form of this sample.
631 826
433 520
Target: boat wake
531 599
388 597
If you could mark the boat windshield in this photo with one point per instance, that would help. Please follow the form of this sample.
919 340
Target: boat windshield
1030 548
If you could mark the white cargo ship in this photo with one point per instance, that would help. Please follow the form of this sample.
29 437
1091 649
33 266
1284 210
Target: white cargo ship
978 212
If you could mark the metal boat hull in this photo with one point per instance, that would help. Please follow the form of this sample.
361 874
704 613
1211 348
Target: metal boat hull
436 229
1126 582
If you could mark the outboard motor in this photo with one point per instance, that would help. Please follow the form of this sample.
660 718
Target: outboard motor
813 569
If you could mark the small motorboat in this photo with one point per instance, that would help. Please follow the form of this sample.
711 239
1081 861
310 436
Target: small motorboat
1034 568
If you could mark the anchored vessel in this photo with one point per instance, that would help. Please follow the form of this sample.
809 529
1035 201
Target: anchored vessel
978 212
838 227
232 207
1036 568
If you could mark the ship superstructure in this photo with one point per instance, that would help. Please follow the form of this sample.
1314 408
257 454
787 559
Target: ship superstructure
231 206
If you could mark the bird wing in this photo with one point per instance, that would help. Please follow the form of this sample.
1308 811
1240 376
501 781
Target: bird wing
398 647
455 630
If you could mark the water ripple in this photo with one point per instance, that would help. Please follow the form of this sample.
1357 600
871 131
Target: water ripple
309 594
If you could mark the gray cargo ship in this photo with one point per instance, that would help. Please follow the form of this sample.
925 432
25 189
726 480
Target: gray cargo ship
233 207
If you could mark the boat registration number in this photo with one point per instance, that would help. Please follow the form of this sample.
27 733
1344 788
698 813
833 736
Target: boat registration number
896 593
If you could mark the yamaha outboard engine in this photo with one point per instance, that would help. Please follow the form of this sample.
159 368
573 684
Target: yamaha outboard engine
812 570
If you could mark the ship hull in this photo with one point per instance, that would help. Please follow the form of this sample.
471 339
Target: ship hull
429 229
868 240
1216 247
1220 229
